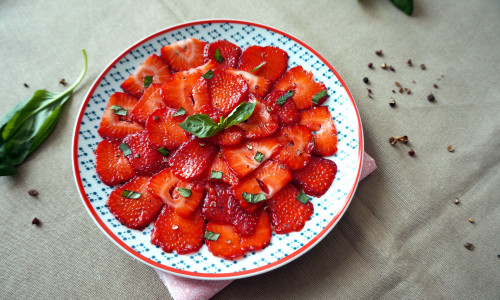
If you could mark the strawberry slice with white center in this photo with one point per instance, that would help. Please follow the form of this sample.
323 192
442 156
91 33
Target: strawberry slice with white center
297 146
228 53
261 123
163 129
193 159
320 122
151 100
227 91
184 55
220 172
248 155
116 122
182 196
257 85
111 165
153 66
268 62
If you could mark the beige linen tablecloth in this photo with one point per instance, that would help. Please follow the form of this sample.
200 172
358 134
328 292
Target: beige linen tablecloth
402 236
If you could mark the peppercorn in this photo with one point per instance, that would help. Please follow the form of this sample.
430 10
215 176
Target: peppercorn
33 192
469 246
411 152
370 65
409 63
35 221
431 97
392 103
366 80
379 52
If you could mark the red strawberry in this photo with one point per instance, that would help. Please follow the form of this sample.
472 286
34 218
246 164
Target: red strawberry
287 113
145 159
262 235
151 100
297 146
193 159
241 158
261 123
304 86
228 244
201 96
115 126
173 232
184 55
249 185
229 52
178 91
317 177
228 137
166 185
210 65
152 66
111 165
227 91
164 130
257 85
287 213
319 120
276 61
134 213
219 165
210 111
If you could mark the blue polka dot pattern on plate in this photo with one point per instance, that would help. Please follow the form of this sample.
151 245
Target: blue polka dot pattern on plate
203 262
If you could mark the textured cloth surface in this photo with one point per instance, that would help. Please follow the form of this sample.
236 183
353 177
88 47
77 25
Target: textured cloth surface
402 236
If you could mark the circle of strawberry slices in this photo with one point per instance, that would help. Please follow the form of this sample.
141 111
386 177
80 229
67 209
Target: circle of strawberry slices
216 145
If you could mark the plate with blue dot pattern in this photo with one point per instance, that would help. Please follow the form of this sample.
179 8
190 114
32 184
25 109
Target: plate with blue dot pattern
284 248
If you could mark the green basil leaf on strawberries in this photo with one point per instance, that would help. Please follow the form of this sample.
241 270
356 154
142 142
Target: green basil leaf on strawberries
164 151
218 57
240 114
181 111
405 5
209 74
184 192
303 198
259 156
125 149
318 96
118 110
281 100
130 194
216 175
258 67
200 125
148 80
253 198
211 236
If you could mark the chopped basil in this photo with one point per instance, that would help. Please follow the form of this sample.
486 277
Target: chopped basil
125 149
303 198
181 111
148 80
253 198
281 100
258 67
216 175
318 96
130 194
164 151
209 74
212 236
218 57
118 110
259 156
185 192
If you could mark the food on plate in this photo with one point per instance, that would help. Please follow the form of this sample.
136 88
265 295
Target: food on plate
216 145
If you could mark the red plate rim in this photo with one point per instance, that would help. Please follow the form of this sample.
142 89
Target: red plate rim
210 276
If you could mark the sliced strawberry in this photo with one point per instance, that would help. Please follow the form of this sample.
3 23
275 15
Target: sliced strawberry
320 122
276 61
201 94
151 100
164 131
262 235
219 165
287 113
261 123
152 66
115 126
210 111
228 244
227 91
230 53
228 137
166 185
111 165
317 177
173 232
257 85
178 91
184 55
210 65
134 213
241 158
249 185
193 159
287 213
145 159
304 86
297 146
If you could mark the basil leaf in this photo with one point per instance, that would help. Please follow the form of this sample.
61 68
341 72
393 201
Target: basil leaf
216 175
212 236
259 156
200 125
405 5
125 149
218 57
318 96
303 198
130 194
209 74
164 151
148 80
241 113
118 110
258 67
184 192
181 111
281 100
253 198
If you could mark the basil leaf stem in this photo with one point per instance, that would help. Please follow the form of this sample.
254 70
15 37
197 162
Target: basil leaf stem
281 100
405 5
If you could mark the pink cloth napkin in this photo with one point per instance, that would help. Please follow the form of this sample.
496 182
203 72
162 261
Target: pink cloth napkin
188 289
